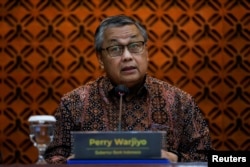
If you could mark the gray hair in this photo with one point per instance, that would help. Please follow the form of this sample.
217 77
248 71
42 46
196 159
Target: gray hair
116 21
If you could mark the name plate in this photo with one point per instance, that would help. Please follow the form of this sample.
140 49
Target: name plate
117 145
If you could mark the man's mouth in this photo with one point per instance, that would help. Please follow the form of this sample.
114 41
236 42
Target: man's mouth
128 68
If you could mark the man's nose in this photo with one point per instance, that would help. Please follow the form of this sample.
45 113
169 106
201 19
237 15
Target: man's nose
126 54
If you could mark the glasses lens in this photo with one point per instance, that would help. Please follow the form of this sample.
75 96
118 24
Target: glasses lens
115 51
136 47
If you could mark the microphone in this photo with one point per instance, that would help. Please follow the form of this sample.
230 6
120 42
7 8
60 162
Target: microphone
121 90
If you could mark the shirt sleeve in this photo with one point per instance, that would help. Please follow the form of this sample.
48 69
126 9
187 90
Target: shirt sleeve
61 144
195 140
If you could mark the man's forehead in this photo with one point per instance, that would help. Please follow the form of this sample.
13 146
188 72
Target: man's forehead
119 34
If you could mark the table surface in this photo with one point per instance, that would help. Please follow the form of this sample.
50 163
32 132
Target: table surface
187 164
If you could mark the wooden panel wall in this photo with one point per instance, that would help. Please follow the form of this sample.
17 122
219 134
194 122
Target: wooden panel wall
46 50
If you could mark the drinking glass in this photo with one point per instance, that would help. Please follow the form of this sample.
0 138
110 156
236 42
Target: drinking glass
41 133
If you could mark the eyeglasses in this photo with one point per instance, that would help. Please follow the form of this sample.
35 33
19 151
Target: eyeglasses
117 50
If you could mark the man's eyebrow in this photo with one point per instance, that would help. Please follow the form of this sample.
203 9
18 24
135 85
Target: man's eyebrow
134 36
112 40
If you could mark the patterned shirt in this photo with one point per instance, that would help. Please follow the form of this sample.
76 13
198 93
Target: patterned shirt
156 106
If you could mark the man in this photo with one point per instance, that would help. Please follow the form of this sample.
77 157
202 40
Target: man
151 104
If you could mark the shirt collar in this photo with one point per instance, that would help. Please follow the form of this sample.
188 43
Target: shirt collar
110 88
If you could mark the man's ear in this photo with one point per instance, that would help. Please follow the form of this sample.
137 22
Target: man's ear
99 57
146 50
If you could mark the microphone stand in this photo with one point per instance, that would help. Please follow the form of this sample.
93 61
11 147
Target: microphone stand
121 91
120 112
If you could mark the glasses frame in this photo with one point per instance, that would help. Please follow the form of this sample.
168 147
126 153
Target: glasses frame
123 47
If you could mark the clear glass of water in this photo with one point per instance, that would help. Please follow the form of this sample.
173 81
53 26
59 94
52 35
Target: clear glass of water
41 133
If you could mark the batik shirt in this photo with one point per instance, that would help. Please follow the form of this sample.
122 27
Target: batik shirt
156 106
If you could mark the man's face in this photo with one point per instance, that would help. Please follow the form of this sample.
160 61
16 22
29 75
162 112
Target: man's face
129 68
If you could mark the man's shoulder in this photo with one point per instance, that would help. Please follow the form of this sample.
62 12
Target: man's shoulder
165 87
155 82
86 88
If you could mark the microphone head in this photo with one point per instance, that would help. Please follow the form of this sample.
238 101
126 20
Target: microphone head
121 90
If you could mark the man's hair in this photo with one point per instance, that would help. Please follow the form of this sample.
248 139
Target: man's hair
116 21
